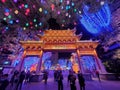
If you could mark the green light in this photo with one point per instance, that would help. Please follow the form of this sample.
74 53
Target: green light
9 16
75 10
27 24
34 20
5 19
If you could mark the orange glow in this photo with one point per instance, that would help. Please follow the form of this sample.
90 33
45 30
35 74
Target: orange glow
60 40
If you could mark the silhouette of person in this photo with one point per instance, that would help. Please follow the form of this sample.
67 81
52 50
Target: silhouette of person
71 80
20 81
27 78
14 78
5 82
98 75
45 76
81 81
55 75
59 79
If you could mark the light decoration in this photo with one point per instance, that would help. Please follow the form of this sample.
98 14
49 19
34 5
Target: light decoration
45 11
58 9
34 20
31 23
30 62
17 20
58 12
68 2
36 25
52 7
22 5
6 13
94 22
7 10
102 3
27 11
61 1
3 1
40 9
27 24
6 28
34 6
24 28
11 21
15 1
5 19
16 11
9 16
40 23
26 5
73 4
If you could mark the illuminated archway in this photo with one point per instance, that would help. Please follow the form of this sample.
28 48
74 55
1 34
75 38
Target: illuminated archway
61 40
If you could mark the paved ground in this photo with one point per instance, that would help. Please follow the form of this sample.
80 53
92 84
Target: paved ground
90 85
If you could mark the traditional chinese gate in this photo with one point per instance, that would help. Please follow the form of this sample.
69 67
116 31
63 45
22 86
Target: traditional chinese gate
60 40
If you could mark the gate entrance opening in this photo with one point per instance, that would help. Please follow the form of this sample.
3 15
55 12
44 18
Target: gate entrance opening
64 41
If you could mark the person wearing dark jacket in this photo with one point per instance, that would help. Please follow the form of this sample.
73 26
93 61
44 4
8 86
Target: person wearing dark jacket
59 79
81 81
20 81
45 76
4 83
71 80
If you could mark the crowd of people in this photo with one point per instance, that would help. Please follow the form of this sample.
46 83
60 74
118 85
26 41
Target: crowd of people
17 78
58 76
15 81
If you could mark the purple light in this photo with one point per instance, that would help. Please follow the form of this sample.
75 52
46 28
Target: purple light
20 7
15 1
58 12
17 20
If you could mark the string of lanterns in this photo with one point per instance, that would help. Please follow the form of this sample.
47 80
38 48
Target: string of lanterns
34 14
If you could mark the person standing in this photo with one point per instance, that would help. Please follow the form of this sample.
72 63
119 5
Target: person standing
59 79
45 76
27 78
20 81
55 75
71 80
81 81
5 82
98 75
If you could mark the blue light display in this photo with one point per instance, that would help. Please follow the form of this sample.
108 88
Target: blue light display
29 61
95 22
88 63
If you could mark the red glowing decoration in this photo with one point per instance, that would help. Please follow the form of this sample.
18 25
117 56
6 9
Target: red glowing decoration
52 7
6 13
22 5
27 10
31 23
3 1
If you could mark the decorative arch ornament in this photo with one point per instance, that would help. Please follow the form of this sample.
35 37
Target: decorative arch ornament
95 22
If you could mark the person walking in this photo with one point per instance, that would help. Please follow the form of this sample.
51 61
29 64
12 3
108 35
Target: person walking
98 75
45 76
71 80
81 81
20 81
59 79
55 75
4 83
28 76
